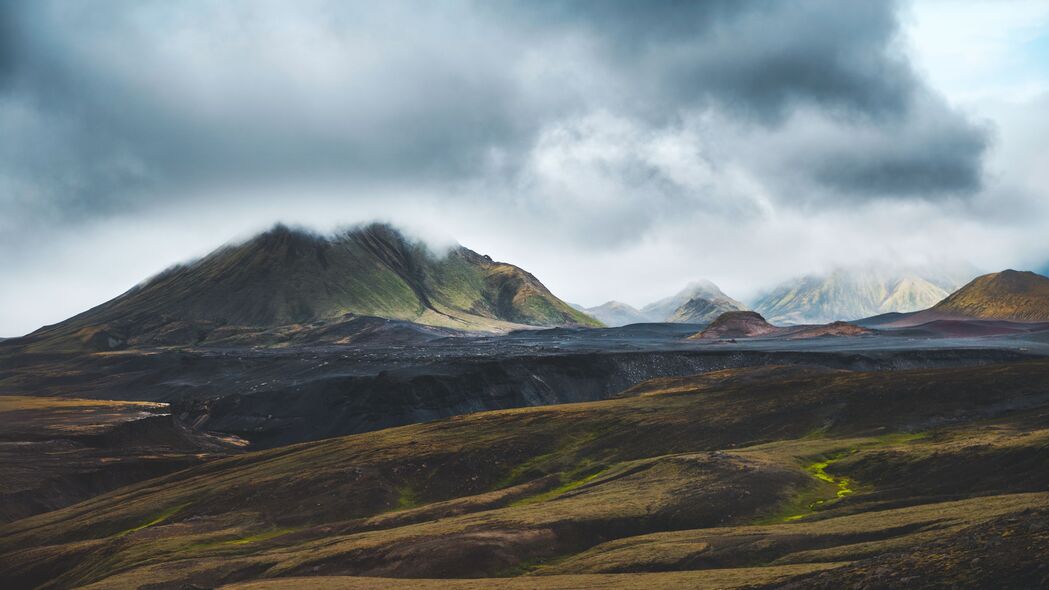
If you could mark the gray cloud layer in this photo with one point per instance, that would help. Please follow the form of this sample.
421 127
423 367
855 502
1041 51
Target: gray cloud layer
104 101
609 121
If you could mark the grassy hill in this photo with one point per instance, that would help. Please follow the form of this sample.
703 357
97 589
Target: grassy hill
289 277
729 479
1007 295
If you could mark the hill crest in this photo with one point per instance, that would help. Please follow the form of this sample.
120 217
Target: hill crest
1006 295
736 324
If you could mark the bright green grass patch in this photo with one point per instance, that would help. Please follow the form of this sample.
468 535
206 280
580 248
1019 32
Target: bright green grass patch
819 471
807 502
159 518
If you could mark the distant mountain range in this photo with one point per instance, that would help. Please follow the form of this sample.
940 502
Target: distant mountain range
285 277
993 304
841 295
287 283
813 306
846 294
698 303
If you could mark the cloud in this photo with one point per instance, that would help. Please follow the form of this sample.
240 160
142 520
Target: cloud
119 99
755 58
932 154
597 126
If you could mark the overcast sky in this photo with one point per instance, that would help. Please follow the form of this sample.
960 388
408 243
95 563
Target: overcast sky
617 150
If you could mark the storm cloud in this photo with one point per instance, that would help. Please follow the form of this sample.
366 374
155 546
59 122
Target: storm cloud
594 124
103 103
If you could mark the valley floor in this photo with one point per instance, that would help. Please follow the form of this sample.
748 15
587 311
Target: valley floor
778 476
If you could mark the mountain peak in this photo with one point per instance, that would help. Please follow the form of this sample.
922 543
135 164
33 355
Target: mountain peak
701 309
698 303
1017 278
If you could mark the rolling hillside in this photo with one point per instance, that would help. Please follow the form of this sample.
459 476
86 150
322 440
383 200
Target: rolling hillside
725 480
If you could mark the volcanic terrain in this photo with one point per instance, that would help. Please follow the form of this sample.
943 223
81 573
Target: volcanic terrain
355 411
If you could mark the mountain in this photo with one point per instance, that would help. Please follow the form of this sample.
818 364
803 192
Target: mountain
617 313
698 303
285 276
1021 296
701 310
849 294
